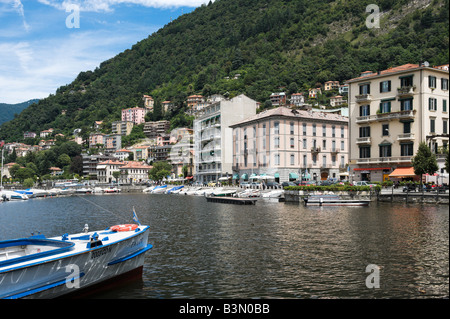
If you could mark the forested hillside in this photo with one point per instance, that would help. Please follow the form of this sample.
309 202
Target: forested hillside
9 111
270 43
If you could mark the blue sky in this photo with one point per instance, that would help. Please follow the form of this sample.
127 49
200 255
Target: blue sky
41 51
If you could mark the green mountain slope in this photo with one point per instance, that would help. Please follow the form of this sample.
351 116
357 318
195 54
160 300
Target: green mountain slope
270 43
9 111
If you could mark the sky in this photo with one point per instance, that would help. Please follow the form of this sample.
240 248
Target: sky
45 44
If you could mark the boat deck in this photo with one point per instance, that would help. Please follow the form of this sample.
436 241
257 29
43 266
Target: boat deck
231 200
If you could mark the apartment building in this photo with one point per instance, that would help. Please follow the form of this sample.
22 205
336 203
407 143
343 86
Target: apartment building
331 85
290 144
123 128
213 136
391 112
153 129
135 115
149 103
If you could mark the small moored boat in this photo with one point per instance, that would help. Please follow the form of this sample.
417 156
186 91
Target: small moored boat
37 267
333 200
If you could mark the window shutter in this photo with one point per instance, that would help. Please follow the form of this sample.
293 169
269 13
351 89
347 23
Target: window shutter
389 86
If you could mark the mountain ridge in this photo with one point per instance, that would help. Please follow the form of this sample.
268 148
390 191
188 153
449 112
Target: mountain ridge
270 43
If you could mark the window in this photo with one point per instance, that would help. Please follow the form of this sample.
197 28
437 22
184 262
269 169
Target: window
364 152
333 131
432 82
385 107
277 142
432 104
444 84
385 86
324 130
444 126
292 142
364 89
264 129
292 128
305 160
333 160
444 105
304 144
292 159
314 129
324 144
342 145
407 149
304 128
314 158
433 125
324 160
386 150
406 127
406 105
342 131
364 110
406 81
254 131
385 130
277 159
364 131
277 127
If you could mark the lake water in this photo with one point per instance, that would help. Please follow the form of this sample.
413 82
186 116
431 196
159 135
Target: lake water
270 250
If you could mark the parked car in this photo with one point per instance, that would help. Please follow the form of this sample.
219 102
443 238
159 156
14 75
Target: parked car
272 184
286 184
409 188
363 183
305 183
327 183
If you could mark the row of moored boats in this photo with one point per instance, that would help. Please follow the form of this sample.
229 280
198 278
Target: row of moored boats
8 195
214 191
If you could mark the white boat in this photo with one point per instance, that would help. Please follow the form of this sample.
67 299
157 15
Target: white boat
148 189
112 190
83 190
192 191
175 190
11 195
159 189
38 192
37 267
224 193
273 194
333 200
250 193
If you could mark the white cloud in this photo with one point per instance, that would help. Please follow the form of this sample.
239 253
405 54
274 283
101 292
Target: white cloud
107 5
16 6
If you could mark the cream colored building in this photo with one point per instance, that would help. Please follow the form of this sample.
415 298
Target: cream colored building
288 144
391 112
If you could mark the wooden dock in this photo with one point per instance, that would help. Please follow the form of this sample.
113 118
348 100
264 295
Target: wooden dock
231 200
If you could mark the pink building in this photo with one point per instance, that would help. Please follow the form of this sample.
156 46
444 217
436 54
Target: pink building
135 115
289 144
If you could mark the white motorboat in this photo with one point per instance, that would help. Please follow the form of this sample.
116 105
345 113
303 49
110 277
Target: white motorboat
273 194
175 190
11 195
37 267
333 200
159 189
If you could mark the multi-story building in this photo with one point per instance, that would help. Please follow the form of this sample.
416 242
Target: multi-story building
297 100
135 115
96 139
337 100
278 99
289 144
106 169
134 172
153 129
213 137
149 103
123 128
331 85
391 113
193 100
113 143
90 163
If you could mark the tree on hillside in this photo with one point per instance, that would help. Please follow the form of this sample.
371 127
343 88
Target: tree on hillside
424 162
160 170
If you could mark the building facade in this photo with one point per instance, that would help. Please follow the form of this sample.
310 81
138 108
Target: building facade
289 144
213 137
135 115
391 113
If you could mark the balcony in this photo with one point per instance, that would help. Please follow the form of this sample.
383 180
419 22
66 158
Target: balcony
335 150
363 98
315 150
364 140
384 160
402 115
406 137
406 91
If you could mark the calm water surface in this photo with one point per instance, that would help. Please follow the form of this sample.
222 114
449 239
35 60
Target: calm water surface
270 250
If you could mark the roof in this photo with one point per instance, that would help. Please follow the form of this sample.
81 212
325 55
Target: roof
111 162
133 164
287 112
401 68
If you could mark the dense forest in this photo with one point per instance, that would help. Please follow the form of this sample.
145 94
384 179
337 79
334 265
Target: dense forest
9 111
270 43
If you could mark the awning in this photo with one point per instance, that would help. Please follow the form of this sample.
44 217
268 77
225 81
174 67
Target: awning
244 176
403 172
277 175
189 177
373 169
224 178
236 176
293 176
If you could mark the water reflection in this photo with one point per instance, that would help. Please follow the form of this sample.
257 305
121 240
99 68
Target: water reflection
270 250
